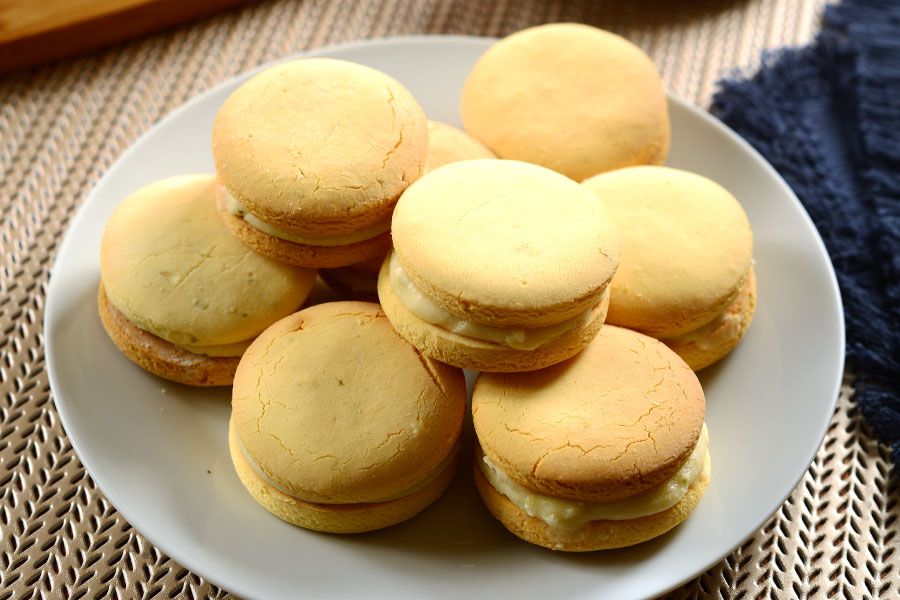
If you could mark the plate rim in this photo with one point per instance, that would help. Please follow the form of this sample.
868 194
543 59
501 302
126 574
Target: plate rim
696 111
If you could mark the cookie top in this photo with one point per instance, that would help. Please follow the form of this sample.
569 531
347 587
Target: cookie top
617 419
169 264
505 243
447 144
333 406
686 248
319 146
570 97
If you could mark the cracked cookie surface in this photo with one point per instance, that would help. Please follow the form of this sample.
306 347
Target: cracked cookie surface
333 406
319 147
617 419
170 265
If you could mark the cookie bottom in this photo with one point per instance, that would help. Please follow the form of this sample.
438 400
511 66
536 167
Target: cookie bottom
161 357
301 255
713 341
471 353
595 535
335 518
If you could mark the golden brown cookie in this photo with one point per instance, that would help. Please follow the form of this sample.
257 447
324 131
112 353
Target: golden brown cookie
686 248
569 97
171 269
335 518
593 449
314 153
341 416
498 251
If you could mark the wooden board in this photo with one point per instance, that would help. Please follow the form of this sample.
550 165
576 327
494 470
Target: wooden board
37 31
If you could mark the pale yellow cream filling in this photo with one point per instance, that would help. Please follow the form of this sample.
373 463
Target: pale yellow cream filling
235 208
444 464
428 311
718 332
571 514
722 329
234 349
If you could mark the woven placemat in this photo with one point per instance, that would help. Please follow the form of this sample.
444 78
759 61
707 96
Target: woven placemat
63 125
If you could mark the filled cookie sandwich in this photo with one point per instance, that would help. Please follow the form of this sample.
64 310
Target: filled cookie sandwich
339 425
686 274
604 450
569 97
498 266
312 155
180 295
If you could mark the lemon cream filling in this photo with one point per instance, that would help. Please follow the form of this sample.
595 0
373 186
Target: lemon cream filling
724 328
442 466
235 208
235 349
569 515
715 334
518 338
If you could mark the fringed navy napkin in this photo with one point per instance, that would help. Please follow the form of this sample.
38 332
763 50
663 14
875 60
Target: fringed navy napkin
827 117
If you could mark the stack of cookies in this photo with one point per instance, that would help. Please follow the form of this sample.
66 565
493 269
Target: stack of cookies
544 246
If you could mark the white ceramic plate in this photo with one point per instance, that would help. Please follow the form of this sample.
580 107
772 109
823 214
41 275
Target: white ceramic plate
159 451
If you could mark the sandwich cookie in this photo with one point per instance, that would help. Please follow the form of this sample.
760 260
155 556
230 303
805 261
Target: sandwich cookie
498 266
340 425
604 450
569 97
181 296
446 144
685 276
312 155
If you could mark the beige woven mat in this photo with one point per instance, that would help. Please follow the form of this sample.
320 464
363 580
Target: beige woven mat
63 125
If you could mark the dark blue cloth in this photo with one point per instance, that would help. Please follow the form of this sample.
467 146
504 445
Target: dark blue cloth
827 117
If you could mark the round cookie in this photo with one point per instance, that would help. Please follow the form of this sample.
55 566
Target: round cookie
447 144
179 295
603 450
340 425
704 346
312 155
569 97
686 248
512 256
